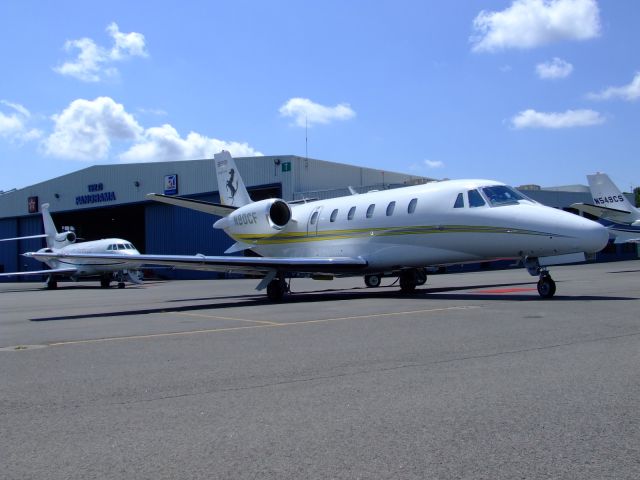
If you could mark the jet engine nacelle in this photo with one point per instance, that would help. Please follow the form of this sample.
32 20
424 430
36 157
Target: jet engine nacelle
636 223
264 218
65 238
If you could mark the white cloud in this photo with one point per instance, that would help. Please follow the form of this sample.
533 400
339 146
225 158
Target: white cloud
94 62
164 143
556 68
532 23
305 112
434 163
13 124
89 129
571 118
629 92
86 129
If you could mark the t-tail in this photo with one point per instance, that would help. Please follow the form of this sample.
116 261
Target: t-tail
55 239
606 194
233 193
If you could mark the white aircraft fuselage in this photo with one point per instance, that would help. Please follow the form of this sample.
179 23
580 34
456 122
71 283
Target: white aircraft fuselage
88 267
416 226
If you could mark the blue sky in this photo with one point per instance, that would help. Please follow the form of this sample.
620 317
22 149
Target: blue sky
525 91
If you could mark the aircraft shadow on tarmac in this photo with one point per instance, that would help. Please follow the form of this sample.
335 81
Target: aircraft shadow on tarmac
356 293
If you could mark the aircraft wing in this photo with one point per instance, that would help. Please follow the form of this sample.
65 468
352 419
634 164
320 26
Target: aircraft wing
619 216
42 235
248 265
49 271
199 205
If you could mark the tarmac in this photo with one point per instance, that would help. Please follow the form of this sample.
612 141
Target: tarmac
472 377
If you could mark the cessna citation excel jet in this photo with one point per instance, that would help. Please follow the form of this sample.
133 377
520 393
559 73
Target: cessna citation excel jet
60 245
397 231
612 208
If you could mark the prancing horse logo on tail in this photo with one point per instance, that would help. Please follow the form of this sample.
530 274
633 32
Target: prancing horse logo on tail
230 186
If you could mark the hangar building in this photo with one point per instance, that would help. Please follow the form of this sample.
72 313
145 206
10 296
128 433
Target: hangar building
109 201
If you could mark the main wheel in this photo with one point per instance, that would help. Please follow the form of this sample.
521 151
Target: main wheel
120 284
52 284
276 290
408 281
546 287
372 281
105 282
421 276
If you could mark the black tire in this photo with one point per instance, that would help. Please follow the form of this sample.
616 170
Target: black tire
120 284
105 282
421 276
276 290
52 285
546 287
372 281
408 281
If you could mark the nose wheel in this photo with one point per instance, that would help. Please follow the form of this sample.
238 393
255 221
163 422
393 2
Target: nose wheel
546 285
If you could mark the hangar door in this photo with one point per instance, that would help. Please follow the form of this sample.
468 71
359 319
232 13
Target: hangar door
125 222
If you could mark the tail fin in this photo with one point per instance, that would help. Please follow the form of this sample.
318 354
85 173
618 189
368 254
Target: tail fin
606 194
230 185
49 227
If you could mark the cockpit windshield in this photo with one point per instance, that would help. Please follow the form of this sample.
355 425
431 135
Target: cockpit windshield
502 195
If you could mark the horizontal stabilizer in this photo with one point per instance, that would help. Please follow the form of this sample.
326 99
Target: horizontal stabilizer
619 216
199 205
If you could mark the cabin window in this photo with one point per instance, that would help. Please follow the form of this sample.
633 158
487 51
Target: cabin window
390 208
412 205
314 218
459 202
370 210
475 199
334 215
352 212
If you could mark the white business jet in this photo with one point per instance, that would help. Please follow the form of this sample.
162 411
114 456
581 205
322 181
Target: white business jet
59 245
401 230
612 208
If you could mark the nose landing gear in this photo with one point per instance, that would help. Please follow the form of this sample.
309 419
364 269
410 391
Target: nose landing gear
546 285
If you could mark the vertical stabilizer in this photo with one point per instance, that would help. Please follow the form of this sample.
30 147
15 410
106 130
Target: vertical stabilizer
230 185
49 226
606 194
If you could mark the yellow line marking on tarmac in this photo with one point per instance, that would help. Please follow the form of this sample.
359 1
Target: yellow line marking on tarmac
264 325
217 317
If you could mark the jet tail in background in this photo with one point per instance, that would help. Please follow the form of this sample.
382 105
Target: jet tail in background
606 194
232 190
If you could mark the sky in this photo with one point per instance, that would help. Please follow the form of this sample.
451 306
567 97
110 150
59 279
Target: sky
522 91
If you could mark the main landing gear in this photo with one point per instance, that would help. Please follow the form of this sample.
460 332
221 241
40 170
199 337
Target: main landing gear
276 289
546 285
52 283
409 279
